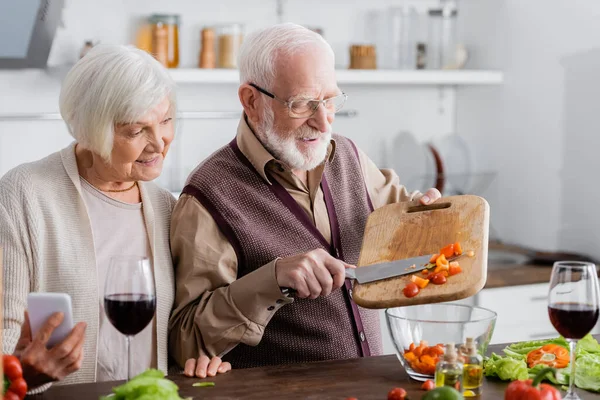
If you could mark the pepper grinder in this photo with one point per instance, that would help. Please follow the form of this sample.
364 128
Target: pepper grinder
207 54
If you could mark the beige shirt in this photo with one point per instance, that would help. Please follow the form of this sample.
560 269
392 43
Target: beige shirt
119 230
215 311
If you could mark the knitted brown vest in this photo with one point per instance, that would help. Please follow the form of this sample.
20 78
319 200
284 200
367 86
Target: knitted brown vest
263 222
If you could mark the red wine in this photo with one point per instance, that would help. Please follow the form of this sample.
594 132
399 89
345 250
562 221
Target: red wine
573 320
130 313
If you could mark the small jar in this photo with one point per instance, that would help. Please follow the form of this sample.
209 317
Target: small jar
207 51
165 39
363 57
229 41
442 38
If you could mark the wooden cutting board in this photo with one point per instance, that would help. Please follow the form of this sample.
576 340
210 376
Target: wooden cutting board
408 229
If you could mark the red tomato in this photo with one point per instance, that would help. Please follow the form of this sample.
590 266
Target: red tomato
397 394
438 279
411 290
428 385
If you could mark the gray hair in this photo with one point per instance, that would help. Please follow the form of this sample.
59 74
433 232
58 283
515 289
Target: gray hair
111 84
260 49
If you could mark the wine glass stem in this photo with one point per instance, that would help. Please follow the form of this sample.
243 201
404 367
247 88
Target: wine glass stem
128 339
572 347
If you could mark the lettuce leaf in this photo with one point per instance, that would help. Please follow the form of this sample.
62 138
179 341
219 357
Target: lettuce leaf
526 347
149 385
505 368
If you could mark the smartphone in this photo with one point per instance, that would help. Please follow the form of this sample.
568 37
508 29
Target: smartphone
40 306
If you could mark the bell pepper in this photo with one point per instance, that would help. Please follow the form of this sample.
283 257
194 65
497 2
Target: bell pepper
551 355
457 249
420 282
15 386
448 251
532 389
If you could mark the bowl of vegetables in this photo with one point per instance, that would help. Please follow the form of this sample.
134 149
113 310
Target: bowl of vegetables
419 333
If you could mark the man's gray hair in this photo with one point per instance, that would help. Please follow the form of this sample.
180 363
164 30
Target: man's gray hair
111 85
260 49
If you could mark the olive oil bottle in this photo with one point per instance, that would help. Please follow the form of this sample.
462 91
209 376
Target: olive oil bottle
473 370
449 371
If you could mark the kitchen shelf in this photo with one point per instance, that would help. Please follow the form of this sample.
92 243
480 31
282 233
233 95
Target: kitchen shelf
359 77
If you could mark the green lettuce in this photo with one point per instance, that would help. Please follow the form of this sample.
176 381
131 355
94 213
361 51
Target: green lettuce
149 385
505 368
513 366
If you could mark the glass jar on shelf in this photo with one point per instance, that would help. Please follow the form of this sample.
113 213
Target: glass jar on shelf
165 38
404 25
442 38
229 41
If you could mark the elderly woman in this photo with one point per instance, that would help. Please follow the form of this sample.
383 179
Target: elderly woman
64 216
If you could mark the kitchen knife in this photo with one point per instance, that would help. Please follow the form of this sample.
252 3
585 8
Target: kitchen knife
377 272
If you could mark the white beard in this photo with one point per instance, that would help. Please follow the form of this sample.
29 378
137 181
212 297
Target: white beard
284 147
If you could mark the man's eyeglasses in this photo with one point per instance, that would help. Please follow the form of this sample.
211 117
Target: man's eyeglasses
306 108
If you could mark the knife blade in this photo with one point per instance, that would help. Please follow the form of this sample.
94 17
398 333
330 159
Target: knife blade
377 272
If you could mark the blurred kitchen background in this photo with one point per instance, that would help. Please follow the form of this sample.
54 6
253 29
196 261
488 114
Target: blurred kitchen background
496 98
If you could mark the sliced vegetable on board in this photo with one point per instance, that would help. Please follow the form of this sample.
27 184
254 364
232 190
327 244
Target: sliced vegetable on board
440 267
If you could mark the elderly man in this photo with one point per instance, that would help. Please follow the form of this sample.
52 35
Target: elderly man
284 205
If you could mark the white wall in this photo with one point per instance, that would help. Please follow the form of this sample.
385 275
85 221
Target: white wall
539 130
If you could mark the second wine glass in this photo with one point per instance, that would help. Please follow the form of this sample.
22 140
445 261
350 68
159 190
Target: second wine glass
573 306
129 297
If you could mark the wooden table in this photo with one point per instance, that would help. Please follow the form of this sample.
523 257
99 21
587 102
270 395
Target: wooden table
363 378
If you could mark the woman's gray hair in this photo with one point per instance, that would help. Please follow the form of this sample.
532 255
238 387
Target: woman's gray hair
112 85
260 49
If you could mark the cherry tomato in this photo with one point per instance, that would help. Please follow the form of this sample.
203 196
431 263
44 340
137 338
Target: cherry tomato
397 394
411 290
438 279
428 385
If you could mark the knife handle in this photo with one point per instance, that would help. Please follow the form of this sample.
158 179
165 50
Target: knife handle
350 274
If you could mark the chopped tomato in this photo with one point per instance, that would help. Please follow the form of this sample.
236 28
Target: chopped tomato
433 258
425 272
457 249
447 251
428 385
438 279
397 394
552 355
454 269
411 290
420 282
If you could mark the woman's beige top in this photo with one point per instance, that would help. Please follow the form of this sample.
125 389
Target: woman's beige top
119 230
48 242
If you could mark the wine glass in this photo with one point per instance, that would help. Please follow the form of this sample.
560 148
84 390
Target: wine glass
573 306
129 297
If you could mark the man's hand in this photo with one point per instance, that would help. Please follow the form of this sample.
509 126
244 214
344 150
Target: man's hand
431 196
42 365
204 367
312 274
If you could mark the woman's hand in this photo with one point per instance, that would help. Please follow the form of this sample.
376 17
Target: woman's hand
203 367
42 365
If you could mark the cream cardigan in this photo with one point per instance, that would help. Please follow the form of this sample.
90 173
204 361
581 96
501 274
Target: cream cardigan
48 246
